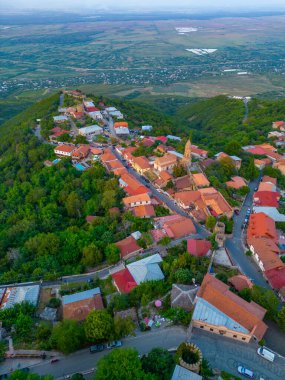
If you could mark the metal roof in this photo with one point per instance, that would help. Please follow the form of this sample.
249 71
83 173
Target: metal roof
21 294
205 312
146 269
181 373
80 296
90 128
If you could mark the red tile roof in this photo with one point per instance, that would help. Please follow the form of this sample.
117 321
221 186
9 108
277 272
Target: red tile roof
266 198
240 282
144 211
236 182
179 227
163 139
261 226
276 277
247 314
267 178
128 246
267 251
198 247
64 148
124 281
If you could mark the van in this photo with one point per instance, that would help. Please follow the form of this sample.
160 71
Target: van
266 354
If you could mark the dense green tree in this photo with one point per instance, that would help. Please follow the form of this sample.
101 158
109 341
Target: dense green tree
112 253
281 318
3 348
24 324
92 255
183 276
21 375
210 222
77 376
123 327
267 299
233 148
123 363
99 326
179 171
158 362
68 336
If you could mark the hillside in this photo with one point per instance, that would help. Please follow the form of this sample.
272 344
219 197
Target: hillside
215 122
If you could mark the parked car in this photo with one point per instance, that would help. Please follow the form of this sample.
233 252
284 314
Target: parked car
248 211
245 372
114 344
266 354
96 348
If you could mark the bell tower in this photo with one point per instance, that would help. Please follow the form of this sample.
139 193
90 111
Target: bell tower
186 160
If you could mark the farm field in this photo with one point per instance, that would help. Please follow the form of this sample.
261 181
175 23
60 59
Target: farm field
121 57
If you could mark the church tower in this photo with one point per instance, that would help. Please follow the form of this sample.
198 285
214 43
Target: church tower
186 160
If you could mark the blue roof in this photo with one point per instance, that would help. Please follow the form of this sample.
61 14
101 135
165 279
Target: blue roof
57 160
80 296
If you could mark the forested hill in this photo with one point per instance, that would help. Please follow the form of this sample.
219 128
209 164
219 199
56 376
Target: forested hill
43 233
217 121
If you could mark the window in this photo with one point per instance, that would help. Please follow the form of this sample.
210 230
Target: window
201 327
235 336
211 329
243 338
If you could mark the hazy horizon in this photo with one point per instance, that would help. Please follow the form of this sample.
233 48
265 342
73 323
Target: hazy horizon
133 5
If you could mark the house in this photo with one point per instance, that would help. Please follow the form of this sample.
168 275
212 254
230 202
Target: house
91 131
114 165
183 183
270 211
144 211
128 247
137 200
96 115
181 373
146 128
134 274
279 125
198 153
216 203
107 156
236 183
64 150
266 253
162 139
165 163
200 180
131 185
240 282
276 278
60 119
222 312
81 152
262 163
183 296
121 128
10 295
261 226
198 247
192 202
280 165
146 269
77 306
268 179
175 138
89 106
141 164
236 160
266 198
163 178
179 227
124 281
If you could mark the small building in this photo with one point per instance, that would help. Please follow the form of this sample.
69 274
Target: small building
124 281
198 153
146 128
144 211
236 183
146 269
49 314
64 150
90 131
60 119
200 180
77 306
198 247
81 152
128 247
96 115
175 138
240 282
141 164
184 296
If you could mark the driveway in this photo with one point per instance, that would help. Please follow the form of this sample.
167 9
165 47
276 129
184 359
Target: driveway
226 354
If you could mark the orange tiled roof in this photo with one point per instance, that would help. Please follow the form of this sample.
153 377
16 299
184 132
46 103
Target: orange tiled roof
261 225
179 227
108 156
266 186
119 124
187 197
247 314
267 252
144 211
167 159
240 282
142 162
183 183
65 148
269 179
236 182
136 198
213 199
200 180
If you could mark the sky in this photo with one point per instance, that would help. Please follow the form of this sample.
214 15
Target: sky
206 5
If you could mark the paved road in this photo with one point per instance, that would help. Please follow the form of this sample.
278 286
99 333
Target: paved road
201 231
82 360
227 354
235 244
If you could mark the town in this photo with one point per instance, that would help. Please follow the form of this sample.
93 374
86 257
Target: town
203 267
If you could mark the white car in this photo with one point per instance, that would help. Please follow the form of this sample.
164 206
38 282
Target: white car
245 372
